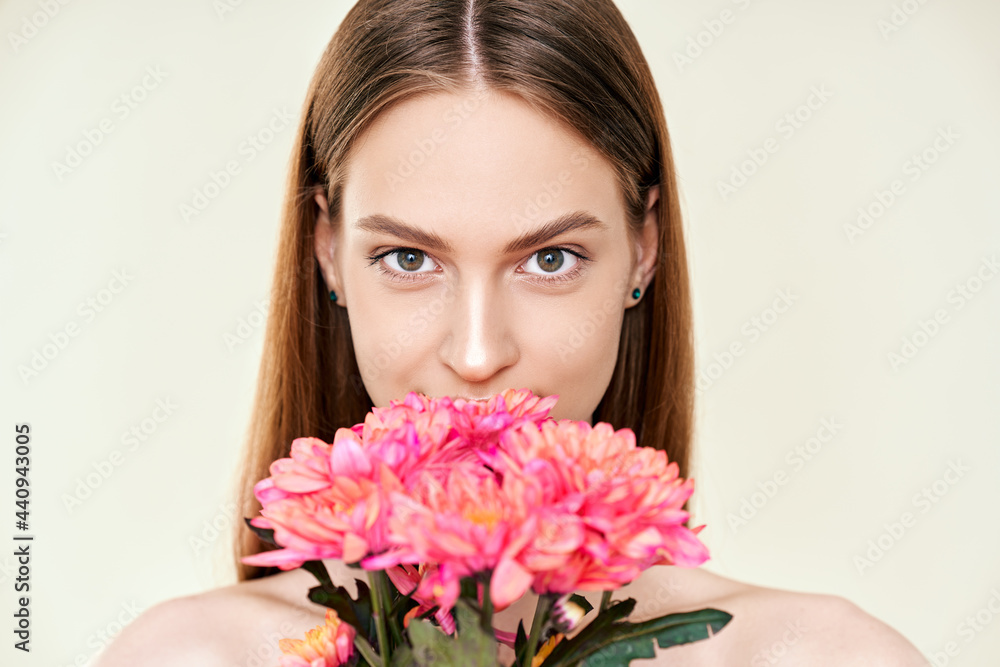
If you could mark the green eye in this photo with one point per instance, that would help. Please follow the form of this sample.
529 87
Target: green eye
409 260
549 264
550 260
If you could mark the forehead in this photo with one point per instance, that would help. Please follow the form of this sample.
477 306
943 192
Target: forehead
462 164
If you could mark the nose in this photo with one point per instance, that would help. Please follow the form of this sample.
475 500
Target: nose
479 341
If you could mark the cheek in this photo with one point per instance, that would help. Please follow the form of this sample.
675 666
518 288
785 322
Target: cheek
577 350
586 332
397 335
390 338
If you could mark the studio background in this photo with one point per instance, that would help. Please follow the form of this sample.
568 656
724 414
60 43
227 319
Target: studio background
846 363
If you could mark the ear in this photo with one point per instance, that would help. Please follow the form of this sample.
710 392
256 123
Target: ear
325 242
647 245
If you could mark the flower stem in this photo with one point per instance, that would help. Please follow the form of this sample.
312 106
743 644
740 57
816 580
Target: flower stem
387 602
376 580
487 609
605 601
366 651
542 608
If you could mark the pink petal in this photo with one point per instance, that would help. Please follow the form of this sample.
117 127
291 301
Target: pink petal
282 558
685 549
509 582
404 578
508 638
348 459
355 548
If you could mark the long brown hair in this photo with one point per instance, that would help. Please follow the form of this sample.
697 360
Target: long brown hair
576 61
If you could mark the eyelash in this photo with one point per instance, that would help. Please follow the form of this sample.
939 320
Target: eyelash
405 278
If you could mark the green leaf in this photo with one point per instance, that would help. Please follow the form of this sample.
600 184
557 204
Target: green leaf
401 607
430 612
402 657
618 610
520 643
468 590
470 645
265 534
318 569
365 653
357 612
622 642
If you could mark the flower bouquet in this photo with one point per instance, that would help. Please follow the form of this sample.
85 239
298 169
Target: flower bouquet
454 509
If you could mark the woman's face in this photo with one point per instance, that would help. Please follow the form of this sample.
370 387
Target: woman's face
482 246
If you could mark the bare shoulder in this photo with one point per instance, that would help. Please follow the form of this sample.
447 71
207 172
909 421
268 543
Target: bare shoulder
768 625
219 627
849 632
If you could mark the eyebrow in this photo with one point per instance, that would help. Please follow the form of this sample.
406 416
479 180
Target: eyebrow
574 220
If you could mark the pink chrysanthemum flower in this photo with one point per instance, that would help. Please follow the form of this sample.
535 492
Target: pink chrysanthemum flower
414 441
467 525
330 500
479 487
327 645
519 403
326 501
626 499
481 422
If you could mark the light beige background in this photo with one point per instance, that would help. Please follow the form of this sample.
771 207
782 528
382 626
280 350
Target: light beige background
165 330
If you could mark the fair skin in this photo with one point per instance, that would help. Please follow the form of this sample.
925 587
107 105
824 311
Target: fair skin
473 321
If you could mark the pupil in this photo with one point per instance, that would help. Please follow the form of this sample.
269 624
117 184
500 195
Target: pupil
412 259
551 260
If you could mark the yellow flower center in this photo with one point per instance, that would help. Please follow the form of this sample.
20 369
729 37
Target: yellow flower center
484 516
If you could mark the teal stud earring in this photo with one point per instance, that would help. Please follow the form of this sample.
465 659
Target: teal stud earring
635 293
333 295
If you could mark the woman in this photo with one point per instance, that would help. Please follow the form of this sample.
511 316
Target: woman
483 197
